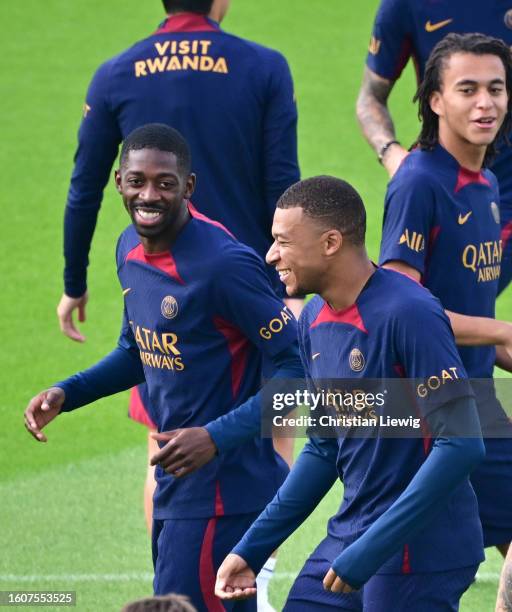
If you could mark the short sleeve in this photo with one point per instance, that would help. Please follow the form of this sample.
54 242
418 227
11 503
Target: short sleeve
409 218
390 43
245 299
426 350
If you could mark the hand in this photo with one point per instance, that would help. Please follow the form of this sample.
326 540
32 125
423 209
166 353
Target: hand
335 584
393 157
65 313
42 409
186 450
235 579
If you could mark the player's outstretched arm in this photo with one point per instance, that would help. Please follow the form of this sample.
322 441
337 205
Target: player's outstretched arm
451 459
65 310
41 410
376 121
504 601
309 480
235 579
471 331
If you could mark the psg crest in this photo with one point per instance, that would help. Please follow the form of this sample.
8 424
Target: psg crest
169 307
508 19
356 360
495 212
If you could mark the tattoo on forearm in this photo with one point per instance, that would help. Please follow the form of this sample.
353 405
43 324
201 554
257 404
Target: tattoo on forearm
372 110
504 603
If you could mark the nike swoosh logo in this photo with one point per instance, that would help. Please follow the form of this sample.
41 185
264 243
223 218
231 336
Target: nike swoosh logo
315 355
463 218
432 27
125 291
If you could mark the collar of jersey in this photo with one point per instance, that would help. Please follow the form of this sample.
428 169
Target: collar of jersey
464 176
187 22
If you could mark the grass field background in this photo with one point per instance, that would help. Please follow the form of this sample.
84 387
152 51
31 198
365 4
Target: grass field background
71 511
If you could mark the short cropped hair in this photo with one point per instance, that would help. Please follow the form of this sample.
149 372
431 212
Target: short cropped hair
477 44
202 7
161 137
162 603
332 202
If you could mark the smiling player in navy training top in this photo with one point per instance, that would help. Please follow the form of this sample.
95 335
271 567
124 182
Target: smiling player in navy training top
441 226
407 531
199 313
410 29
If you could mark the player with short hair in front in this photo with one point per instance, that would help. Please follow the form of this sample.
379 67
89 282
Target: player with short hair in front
197 314
441 226
410 29
407 535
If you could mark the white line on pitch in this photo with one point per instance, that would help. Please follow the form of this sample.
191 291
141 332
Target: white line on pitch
77 577
480 577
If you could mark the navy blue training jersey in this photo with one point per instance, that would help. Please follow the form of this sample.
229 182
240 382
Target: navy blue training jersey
406 29
232 100
443 220
201 315
395 329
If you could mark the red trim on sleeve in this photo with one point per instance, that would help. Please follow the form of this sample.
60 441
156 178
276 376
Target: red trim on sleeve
163 261
350 316
188 22
238 346
219 504
467 177
137 411
200 217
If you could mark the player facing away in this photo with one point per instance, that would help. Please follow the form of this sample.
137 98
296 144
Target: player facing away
441 226
233 101
198 310
406 29
407 535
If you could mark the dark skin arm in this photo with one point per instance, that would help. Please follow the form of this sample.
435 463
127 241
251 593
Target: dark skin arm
41 410
375 119
185 452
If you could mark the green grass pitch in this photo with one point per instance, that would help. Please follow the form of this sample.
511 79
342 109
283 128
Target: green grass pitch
71 511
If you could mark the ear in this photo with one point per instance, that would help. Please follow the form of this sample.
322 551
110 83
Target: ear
333 241
436 103
190 186
117 179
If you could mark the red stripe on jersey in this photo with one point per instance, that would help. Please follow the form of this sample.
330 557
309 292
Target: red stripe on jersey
467 177
403 58
238 347
207 569
219 504
406 565
163 261
434 234
200 217
187 22
506 233
137 411
350 316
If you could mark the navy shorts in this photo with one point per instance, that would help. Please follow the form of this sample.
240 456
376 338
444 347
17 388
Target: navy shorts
435 592
492 482
188 552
